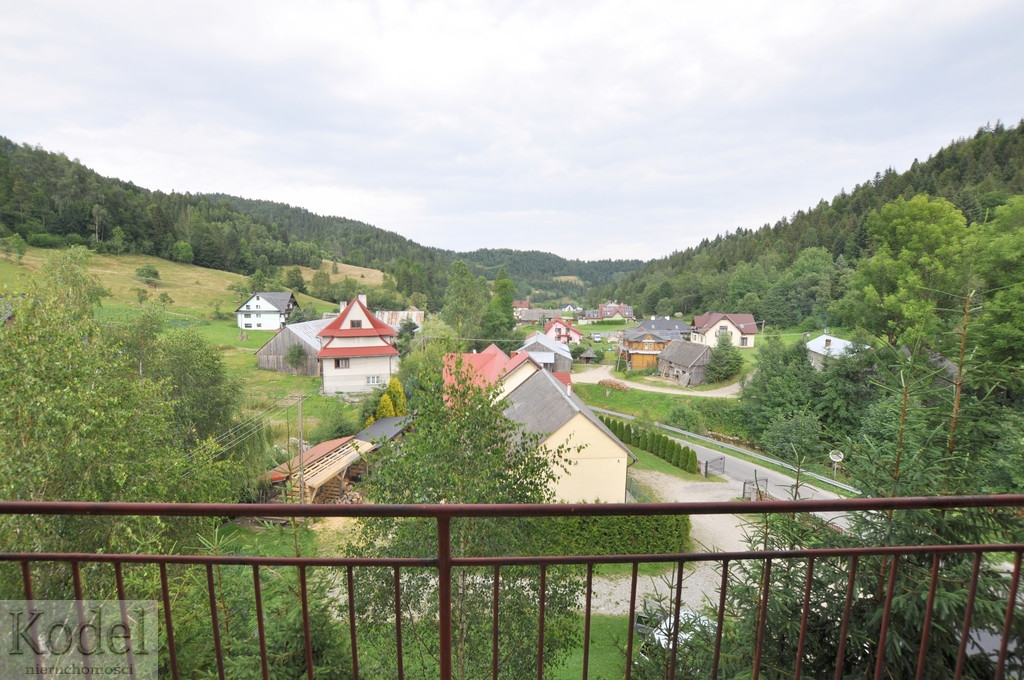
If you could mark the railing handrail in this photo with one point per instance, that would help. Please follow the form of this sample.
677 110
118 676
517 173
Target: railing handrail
504 509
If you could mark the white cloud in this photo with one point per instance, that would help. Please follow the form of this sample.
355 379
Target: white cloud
558 125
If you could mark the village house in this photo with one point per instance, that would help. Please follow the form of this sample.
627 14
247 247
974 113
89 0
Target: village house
546 405
549 354
266 311
741 329
827 346
564 332
670 329
684 362
609 311
640 349
358 352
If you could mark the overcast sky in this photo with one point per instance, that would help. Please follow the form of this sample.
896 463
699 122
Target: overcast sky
587 129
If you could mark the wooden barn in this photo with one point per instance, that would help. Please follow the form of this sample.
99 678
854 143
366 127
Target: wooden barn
273 356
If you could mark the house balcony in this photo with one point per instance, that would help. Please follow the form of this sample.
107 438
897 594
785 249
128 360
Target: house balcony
828 588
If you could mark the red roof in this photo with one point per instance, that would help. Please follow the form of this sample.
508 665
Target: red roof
486 367
309 457
337 328
564 378
337 352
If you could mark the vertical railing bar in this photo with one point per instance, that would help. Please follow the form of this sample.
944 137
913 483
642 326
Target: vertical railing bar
444 595
922 655
762 616
632 618
674 647
495 594
543 596
76 578
961 656
306 633
721 619
804 615
350 585
26 580
398 628
261 630
214 621
165 594
123 605
1011 603
844 627
890 593
586 620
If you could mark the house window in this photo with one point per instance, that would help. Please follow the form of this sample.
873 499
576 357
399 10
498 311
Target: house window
341 363
248 325
373 380
648 345
743 341
247 315
723 329
356 323
248 306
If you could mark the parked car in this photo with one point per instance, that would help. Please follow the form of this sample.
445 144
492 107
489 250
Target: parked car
596 337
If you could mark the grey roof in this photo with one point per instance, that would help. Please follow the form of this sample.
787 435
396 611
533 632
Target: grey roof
637 334
588 353
549 345
686 353
669 328
385 428
306 332
542 405
278 300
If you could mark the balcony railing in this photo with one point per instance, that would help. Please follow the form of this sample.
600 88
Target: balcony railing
446 563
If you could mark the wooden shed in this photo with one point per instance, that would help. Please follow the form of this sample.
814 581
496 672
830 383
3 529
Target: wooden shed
273 356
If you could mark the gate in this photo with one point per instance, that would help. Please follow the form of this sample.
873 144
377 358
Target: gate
715 467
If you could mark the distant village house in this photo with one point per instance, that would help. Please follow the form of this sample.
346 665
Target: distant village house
266 311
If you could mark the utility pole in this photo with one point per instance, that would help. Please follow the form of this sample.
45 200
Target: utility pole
302 457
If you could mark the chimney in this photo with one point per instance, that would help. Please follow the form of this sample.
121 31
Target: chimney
362 299
828 342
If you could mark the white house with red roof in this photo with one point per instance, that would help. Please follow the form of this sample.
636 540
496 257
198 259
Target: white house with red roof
564 332
358 353
741 329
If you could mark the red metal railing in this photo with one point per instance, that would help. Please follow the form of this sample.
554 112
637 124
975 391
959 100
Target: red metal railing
444 562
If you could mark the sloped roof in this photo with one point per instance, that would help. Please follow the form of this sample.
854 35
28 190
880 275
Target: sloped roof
560 320
307 331
588 353
639 334
743 322
486 367
278 301
686 353
373 327
542 405
830 345
667 327
547 343
310 456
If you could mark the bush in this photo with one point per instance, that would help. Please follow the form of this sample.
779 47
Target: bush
46 241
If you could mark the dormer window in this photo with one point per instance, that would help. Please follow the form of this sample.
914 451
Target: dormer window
356 323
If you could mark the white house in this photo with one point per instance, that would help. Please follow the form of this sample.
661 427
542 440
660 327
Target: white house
741 329
266 311
358 352
827 345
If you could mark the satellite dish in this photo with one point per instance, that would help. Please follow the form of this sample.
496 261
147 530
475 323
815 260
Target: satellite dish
835 455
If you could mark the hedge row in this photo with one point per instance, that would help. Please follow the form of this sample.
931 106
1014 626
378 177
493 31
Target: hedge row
613 535
669 450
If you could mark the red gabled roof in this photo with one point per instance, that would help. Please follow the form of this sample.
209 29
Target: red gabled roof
338 352
564 378
309 457
338 328
744 322
486 367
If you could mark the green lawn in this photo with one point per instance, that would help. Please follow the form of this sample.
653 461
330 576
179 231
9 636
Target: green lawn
607 651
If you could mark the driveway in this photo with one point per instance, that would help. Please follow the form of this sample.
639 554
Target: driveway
595 374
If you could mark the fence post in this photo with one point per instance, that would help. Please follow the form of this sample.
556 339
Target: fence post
444 595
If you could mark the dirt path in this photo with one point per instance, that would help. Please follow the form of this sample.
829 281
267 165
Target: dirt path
595 374
710 533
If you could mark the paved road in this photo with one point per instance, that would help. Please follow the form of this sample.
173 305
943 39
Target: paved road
595 374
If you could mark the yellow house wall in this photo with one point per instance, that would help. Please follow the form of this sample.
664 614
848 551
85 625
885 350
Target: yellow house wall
598 470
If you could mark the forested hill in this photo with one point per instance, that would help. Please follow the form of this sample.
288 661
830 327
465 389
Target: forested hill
758 270
53 201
